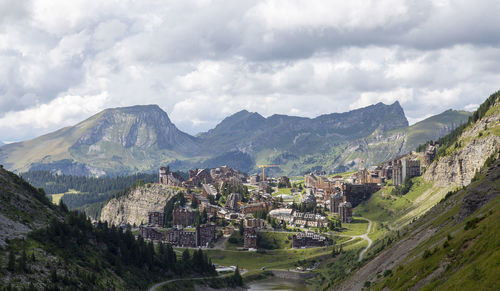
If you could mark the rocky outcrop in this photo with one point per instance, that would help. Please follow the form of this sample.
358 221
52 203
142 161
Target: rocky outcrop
133 207
476 144
482 193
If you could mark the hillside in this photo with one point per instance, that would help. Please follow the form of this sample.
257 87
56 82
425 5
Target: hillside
23 207
44 247
122 141
441 234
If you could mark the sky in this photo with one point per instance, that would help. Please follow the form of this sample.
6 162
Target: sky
200 61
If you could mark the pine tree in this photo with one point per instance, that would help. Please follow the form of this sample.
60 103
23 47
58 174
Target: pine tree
12 261
21 263
204 216
53 275
186 258
242 228
237 277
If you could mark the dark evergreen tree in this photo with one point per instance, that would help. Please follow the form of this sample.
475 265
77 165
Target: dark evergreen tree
21 263
237 279
194 203
242 228
11 265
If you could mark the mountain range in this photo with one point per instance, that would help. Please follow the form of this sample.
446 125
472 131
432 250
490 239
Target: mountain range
441 235
141 138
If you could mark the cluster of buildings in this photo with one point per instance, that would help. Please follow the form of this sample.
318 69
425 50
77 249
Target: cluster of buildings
337 194
198 177
308 239
299 219
200 236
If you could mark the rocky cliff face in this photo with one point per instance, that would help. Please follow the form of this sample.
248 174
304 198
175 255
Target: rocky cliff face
475 145
133 207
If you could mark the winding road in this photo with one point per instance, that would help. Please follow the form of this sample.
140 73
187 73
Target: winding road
363 236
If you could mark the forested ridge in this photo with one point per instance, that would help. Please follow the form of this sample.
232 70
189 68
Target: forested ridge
53 184
90 192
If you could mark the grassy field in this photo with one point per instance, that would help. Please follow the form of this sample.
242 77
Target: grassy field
397 211
275 240
275 259
56 198
357 227
286 191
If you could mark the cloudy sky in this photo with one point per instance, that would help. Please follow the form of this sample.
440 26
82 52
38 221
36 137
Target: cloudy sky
63 61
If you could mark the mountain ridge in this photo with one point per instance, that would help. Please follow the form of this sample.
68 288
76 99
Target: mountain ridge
132 139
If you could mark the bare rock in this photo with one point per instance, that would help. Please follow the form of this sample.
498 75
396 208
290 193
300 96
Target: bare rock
133 207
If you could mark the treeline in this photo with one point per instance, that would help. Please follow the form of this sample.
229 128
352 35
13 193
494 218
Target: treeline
451 139
54 184
102 247
94 191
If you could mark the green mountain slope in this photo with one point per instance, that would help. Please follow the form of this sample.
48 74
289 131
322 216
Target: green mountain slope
22 208
464 251
443 234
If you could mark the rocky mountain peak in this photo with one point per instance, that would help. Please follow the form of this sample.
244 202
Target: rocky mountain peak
141 126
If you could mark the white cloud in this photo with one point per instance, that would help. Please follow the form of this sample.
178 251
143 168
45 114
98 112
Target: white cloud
62 111
202 60
342 15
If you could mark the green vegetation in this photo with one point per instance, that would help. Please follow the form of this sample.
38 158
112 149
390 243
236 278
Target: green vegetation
84 193
55 184
274 240
286 191
451 141
75 241
462 255
234 241
357 227
399 210
337 267
270 259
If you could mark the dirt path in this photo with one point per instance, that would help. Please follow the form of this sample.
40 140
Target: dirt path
385 260
364 237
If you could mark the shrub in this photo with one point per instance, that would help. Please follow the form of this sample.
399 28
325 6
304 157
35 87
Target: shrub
427 254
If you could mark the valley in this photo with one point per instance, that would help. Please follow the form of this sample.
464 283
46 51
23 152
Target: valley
421 220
